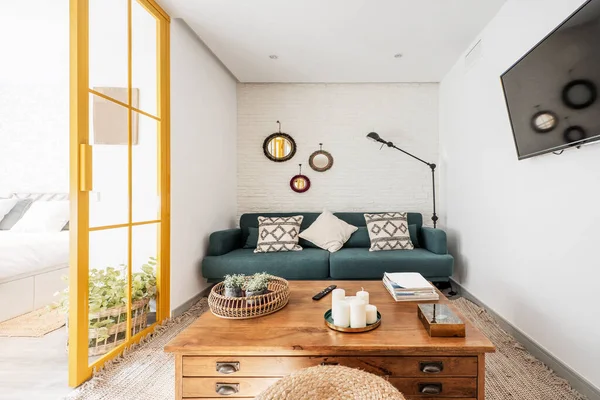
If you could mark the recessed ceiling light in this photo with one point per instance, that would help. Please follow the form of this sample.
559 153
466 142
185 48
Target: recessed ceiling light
398 55
273 57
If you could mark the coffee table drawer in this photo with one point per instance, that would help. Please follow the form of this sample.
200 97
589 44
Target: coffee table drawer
224 387
281 366
419 388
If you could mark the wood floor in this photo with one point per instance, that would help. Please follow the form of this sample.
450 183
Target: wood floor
34 368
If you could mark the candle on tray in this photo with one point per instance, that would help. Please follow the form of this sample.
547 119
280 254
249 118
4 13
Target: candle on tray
336 295
371 314
342 313
362 295
358 314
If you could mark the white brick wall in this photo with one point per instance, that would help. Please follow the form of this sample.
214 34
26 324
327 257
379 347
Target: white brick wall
363 178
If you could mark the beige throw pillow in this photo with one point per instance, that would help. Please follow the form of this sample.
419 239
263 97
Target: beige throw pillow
388 231
328 232
278 234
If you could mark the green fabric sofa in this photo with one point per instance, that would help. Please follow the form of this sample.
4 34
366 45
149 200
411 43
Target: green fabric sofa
227 255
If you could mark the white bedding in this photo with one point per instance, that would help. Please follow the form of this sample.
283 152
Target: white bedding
24 254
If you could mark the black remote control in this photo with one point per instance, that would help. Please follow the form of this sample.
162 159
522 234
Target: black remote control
324 292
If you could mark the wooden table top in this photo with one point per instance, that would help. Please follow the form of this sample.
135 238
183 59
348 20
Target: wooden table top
299 329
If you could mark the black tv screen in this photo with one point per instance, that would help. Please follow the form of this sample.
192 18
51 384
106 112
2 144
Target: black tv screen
552 91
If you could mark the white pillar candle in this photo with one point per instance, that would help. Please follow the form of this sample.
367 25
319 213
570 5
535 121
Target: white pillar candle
371 314
358 314
362 295
342 313
336 295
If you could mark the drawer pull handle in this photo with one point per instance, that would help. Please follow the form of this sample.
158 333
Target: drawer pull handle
330 363
227 389
430 388
228 367
432 367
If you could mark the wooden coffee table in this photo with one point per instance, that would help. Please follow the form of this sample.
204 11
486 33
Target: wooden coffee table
220 358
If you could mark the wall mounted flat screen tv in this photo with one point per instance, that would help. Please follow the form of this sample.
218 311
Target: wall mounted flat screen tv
552 91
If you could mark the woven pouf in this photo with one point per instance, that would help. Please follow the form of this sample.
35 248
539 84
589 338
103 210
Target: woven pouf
331 383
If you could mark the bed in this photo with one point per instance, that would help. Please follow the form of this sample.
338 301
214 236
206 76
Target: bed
32 266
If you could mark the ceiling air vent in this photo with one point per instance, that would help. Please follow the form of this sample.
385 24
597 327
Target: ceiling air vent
473 55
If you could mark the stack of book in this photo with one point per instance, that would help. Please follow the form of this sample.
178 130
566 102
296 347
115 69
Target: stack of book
409 286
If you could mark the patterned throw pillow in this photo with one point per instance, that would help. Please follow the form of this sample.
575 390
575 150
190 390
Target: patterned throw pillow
388 231
278 234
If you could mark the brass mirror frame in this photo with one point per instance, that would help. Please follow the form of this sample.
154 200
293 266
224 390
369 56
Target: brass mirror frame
326 154
285 136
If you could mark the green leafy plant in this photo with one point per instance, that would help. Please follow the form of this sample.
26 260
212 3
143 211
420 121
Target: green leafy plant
258 282
235 281
107 289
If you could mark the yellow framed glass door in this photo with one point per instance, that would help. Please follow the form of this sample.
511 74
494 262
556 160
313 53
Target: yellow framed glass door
119 185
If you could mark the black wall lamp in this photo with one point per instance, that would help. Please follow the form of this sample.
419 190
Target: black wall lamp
375 137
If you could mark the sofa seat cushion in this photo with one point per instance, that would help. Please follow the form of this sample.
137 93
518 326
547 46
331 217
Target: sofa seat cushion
360 263
306 264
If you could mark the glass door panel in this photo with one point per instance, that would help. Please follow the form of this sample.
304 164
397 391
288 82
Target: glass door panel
108 260
144 254
144 34
145 171
108 47
108 130
119 178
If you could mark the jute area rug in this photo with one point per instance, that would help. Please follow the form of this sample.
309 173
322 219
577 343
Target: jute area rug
33 324
146 372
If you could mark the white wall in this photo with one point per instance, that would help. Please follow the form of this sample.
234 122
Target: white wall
362 178
524 233
203 162
34 96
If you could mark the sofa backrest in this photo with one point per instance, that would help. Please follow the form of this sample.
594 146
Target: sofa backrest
353 218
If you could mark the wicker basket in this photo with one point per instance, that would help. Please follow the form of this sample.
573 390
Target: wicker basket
117 332
277 297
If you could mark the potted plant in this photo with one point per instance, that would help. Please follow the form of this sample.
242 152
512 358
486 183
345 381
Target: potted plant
257 285
108 307
234 284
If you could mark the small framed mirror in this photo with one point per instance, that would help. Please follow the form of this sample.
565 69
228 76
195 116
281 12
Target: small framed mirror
300 183
279 146
544 121
579 94
320 160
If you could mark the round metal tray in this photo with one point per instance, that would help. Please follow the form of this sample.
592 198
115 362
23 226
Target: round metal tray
329 322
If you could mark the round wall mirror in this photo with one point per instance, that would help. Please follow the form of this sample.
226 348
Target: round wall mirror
300 183
579 94
544 121
574 134
279 146
320 160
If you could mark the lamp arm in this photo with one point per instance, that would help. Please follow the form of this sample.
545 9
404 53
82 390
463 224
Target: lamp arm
390 144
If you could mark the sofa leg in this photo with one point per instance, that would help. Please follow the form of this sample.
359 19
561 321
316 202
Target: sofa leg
451 292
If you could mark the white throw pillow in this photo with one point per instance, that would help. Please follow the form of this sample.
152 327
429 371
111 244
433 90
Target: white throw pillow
6 205
328 232
44 216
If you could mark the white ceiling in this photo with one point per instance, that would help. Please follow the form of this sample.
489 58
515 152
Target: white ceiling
336 40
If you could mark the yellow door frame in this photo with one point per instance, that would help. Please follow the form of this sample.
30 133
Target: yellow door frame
81 184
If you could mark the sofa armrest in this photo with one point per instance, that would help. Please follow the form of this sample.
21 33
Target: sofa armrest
222 242
434 240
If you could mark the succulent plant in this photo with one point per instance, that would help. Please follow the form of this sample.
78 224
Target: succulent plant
258 282
235 281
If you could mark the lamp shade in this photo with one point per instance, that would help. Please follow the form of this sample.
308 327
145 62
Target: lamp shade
374 136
